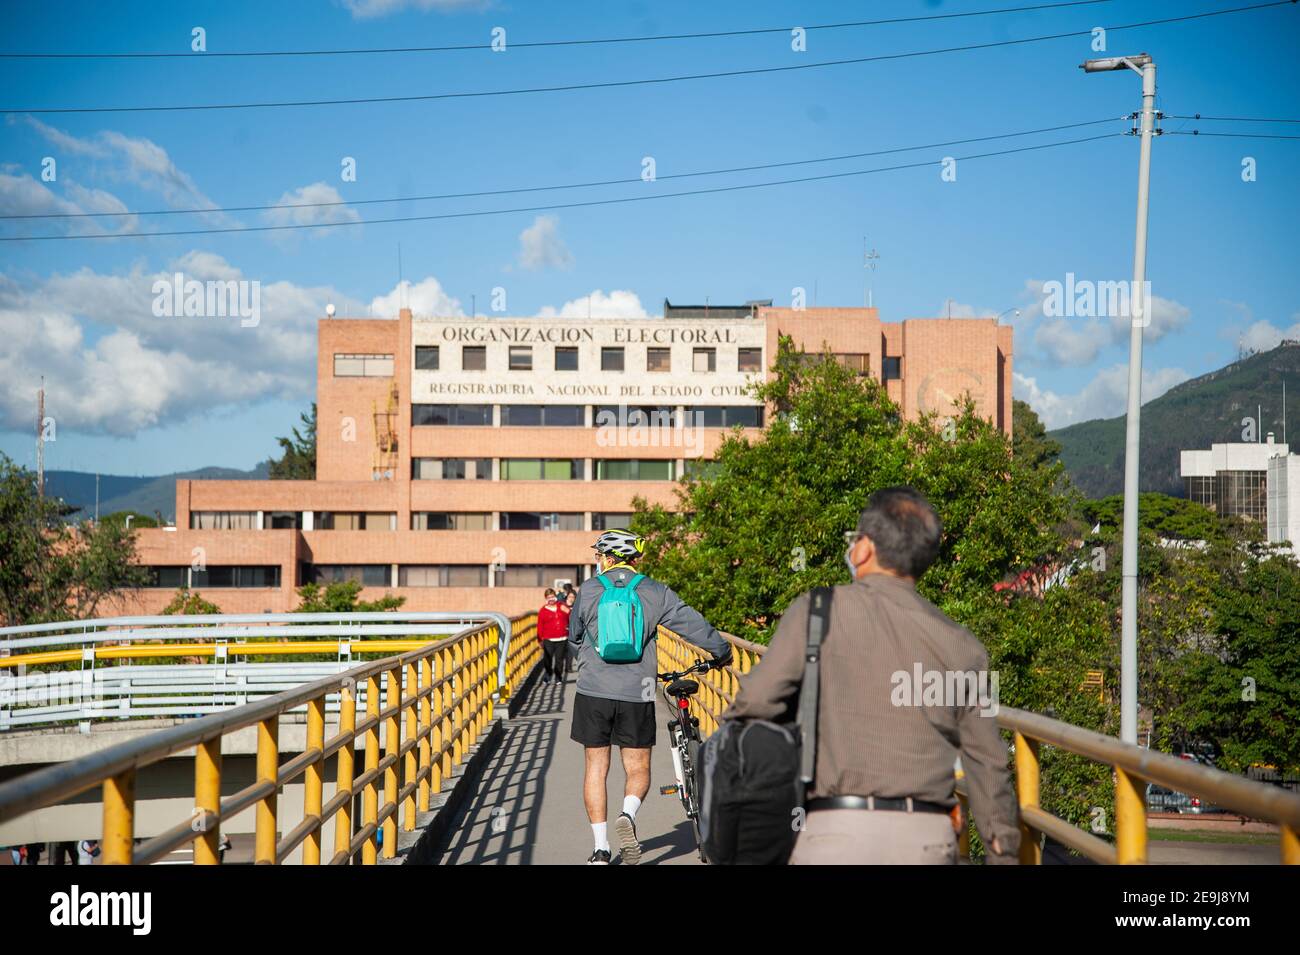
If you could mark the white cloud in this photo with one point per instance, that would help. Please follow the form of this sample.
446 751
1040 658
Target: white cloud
368 9
541 247
619 303
1106 396
22 195
144 370
1263 335
139 161
426 297
297 208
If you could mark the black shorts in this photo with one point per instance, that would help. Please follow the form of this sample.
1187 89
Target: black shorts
601 722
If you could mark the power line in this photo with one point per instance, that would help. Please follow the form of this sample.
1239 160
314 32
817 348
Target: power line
1233 119
613 84
551 188
717 34
1197 132
546 208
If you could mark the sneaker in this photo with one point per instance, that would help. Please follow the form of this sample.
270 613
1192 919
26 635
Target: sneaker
546 679
625 833
599 857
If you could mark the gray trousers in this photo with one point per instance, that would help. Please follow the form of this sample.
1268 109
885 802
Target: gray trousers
863 837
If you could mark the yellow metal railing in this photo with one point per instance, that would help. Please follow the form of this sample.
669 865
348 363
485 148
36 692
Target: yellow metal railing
1133 766
137 651
437 700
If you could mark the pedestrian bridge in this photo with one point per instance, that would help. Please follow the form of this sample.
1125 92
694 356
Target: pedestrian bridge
372 738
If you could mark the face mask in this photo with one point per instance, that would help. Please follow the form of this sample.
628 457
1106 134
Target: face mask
848 562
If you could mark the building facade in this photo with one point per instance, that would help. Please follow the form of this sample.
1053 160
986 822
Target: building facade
1259 481
466 464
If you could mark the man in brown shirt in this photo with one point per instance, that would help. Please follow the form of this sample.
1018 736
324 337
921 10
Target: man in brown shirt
904 692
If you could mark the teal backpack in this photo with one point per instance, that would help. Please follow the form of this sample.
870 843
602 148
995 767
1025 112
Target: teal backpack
620 625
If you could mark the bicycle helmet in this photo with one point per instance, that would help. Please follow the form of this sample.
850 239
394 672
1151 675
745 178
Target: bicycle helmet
620 542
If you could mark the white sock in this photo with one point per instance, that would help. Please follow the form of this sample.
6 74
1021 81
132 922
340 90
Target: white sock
598 832
630 805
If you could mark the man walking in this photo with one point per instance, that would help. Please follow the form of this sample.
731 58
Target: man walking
882 791
553 633
615 701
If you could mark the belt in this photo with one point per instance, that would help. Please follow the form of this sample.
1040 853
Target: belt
876 803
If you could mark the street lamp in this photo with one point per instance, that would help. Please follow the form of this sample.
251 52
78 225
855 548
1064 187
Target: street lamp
1000 314
1143 65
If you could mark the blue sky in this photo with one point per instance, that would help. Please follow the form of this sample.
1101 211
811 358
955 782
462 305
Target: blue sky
132 393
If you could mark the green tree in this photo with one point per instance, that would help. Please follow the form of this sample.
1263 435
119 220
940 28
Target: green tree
50 570
767 522
187 602
298 463
1242 685
342 597
1029 440
137 519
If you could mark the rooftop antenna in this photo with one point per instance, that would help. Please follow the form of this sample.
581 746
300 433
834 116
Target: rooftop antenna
40 439
473 305
401 283
869 260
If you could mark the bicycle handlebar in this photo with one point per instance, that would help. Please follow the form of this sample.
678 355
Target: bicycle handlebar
701 666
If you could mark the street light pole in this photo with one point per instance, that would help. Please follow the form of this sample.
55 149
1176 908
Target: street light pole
1138 304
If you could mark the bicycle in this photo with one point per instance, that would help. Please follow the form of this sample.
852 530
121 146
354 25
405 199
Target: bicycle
684 736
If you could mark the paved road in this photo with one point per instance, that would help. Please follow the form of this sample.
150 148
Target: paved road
528 807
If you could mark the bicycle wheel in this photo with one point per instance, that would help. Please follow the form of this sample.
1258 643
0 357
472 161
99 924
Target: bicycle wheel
693 791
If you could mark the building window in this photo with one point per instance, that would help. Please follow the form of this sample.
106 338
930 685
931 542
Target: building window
473 358
658 359
609 520
521 357
704 360
1200 490
363 366
541 469
634 416
223 577
543 416
282 520
456 415
426 357
611 359
566 359
355 521
1243 493
540 521
891 368
169 578
749 359
744 416
442 575
636 470
223 520
537 575
859 364
450 521
368 575
451 469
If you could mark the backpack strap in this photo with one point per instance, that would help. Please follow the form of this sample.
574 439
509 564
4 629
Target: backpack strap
604 582
631 584
819 607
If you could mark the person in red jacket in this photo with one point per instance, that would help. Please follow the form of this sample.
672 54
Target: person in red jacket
553 632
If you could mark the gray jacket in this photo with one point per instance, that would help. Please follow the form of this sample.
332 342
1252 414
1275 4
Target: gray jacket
634 682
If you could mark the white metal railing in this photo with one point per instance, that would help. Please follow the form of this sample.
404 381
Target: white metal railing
37 686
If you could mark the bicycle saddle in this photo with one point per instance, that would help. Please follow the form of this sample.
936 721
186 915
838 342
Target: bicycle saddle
683 687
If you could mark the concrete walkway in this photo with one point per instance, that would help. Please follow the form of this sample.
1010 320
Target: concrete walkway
527 808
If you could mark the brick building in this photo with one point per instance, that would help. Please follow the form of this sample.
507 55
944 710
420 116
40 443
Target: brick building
467 463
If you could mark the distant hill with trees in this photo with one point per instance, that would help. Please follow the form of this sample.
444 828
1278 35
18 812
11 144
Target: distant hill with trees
1200 412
